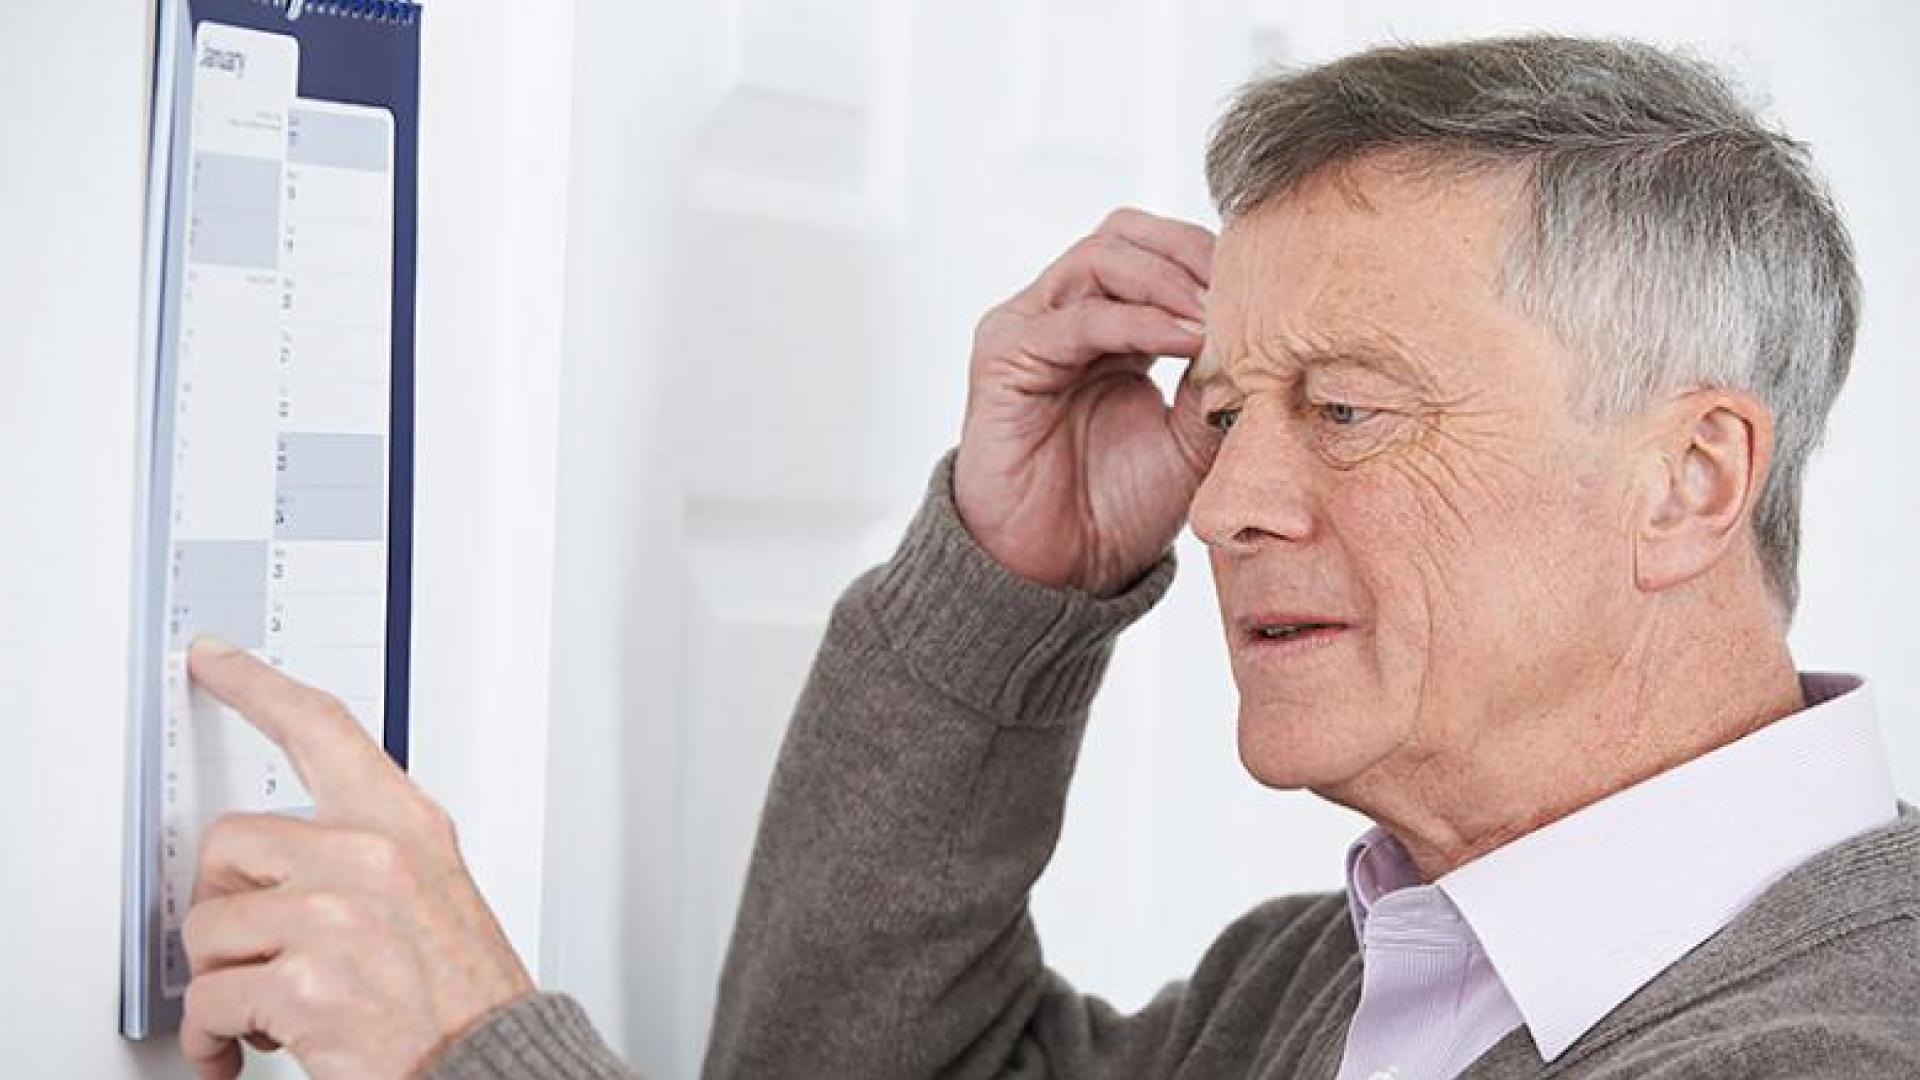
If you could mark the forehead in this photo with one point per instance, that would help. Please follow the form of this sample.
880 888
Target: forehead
1379 263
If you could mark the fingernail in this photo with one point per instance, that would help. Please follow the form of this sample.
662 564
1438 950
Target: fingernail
213 646
1191 327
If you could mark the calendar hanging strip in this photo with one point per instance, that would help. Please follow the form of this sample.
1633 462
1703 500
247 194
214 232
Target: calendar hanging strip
397 12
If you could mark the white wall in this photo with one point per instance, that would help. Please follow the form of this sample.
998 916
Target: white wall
697 281
72 100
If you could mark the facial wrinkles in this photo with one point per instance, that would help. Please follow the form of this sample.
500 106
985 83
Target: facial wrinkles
1461 456
1465 488
1492 482
1450 485
1470 469
1396 407
1399 488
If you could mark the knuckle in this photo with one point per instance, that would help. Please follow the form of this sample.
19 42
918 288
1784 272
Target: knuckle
218 838
378 858
1098 248
320 703
1120 217
1075 264
304 981
435 824
992 332
334 911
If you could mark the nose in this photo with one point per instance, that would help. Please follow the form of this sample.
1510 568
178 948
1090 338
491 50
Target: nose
1259 491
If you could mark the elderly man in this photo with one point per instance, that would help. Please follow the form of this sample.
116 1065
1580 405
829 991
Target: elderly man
1509 360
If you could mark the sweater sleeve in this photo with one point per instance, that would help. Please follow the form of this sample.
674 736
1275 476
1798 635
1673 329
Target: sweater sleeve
539 1037
884 928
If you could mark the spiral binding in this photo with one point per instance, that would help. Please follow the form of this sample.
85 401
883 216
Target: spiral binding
398 12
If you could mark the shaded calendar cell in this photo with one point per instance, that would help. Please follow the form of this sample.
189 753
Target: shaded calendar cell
331 487
340 140
236 211
241 620
330 460
220 569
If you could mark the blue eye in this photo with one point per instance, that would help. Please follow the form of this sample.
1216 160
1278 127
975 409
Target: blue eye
1345 415
1222 420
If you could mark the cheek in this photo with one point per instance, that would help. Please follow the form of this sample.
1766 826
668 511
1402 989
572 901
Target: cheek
1468 559
1492 564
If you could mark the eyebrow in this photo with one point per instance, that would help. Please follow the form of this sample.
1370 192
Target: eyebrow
1375 351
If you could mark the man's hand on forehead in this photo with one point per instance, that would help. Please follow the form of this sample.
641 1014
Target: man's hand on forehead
1095 320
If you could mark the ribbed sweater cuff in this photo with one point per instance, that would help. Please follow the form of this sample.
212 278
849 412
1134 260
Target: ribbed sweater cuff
1020 652
544 1035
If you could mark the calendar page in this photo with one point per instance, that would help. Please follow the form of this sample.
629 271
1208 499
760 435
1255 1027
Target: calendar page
277 417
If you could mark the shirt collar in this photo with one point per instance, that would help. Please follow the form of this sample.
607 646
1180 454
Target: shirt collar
1376 866
1619 890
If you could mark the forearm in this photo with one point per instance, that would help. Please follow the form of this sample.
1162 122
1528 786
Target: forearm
884 927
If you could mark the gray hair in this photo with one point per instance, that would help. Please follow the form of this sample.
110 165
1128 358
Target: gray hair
1674 240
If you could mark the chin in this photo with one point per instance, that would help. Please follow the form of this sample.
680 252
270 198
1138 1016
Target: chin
1290 747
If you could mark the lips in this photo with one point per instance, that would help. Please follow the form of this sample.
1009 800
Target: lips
1289 628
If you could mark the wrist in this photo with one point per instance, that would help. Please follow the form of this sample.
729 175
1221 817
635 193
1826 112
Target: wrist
460 1032
1015 649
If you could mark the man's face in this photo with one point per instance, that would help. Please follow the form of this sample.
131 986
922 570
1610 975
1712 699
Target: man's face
1419 543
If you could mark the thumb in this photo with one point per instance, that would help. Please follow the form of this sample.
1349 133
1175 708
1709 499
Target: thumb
1198 440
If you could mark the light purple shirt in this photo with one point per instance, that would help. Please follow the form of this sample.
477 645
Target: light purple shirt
1555 929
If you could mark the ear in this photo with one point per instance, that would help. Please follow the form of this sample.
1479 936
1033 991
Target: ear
1705 462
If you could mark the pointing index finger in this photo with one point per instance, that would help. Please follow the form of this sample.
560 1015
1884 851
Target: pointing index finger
335 758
